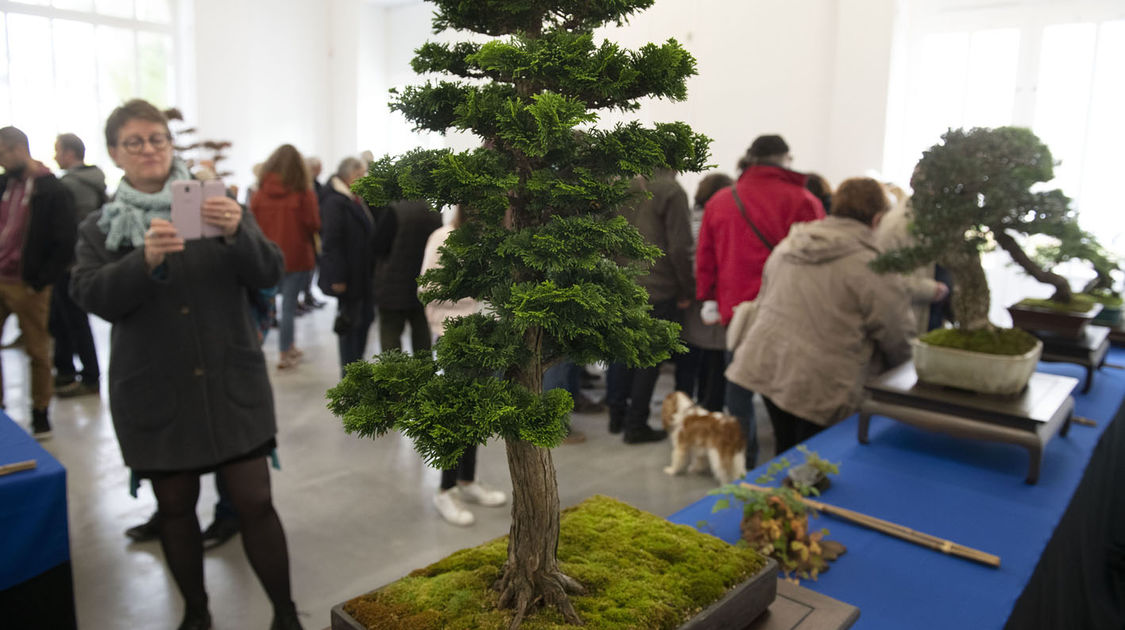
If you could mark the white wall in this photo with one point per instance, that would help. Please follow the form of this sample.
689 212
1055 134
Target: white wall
815 71
269 72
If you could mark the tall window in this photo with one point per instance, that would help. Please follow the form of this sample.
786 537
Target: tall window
65 64
1055 67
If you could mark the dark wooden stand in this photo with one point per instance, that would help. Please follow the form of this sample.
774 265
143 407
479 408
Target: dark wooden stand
1089 350
1028 419
1117 335
798 608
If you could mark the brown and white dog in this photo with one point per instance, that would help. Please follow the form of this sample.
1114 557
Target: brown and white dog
702 439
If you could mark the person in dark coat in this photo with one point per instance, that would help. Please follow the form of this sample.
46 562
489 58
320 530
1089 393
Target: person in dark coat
347 263
189 390
407 226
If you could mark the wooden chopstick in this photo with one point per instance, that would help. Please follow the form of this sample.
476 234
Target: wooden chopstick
1086 422
8 469
898 531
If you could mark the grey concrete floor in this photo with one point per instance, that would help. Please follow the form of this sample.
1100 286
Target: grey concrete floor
357 512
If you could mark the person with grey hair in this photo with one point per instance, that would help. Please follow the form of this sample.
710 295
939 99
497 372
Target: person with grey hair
68 323
347 264
36 247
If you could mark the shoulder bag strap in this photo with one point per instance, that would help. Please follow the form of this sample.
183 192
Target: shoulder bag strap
742 210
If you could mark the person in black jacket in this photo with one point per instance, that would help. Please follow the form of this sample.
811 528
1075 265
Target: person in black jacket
347 263
37 236
400 245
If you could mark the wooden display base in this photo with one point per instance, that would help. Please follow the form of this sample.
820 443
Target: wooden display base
1088 351
1028 419
1117 335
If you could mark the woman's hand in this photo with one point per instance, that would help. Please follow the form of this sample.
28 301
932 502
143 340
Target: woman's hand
222 212
161 239
339 287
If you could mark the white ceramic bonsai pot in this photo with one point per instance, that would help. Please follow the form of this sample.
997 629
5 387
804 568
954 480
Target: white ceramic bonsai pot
975 371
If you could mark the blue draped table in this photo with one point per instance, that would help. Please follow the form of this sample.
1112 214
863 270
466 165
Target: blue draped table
35 578
970 492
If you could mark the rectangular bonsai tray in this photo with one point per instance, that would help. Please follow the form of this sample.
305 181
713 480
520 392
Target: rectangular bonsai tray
1061 323
737 610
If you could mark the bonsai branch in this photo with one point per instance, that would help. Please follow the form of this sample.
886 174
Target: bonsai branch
1062 287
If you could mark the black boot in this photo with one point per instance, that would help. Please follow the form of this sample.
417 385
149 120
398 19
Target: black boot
616 419
285 618
40 426
196 619
149 530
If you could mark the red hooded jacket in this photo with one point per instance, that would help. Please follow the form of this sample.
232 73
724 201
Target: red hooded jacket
290 219
730 257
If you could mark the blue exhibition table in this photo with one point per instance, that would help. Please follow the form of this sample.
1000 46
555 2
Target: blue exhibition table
969 492
33 525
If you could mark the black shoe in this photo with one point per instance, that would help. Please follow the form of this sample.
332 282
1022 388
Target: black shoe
286 619
40 426
217 533
78 388
149 530
196 620
644 434
63 381
616 421
312 302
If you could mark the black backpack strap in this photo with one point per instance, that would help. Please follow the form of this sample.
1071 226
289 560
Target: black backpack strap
742 210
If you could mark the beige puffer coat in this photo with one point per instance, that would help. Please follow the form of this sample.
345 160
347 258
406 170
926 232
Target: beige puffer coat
825 322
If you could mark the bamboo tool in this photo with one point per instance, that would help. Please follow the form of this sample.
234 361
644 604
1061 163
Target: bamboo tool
899 531
1086 422
8 469
1116 366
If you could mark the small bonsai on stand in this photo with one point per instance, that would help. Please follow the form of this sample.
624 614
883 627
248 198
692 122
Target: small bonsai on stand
539 247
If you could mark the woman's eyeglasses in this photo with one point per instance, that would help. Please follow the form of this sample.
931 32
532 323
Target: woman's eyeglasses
136 144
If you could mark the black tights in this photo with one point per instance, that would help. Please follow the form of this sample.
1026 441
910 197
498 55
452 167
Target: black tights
248 483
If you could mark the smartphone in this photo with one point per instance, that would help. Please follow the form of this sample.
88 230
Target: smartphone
212 188
187 204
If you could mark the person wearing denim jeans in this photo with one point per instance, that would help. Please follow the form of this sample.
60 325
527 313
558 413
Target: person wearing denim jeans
286 208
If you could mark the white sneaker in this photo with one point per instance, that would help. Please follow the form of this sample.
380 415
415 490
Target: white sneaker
452 510
476 492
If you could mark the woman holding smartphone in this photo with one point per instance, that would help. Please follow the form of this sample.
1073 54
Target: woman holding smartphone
286 208
189 391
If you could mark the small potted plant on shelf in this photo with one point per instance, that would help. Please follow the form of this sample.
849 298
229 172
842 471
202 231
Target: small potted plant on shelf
544 247
976 189
813 473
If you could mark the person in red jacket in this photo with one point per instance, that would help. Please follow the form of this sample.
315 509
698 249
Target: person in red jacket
286 209
741 226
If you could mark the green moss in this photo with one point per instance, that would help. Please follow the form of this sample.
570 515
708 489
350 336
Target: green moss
639 570
1006 341
1105 298
1079 303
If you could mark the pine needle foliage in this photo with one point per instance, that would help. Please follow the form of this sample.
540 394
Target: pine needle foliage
543 245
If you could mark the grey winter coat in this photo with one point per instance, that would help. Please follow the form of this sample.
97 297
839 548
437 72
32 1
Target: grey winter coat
665 221
825 322
187 380
87 184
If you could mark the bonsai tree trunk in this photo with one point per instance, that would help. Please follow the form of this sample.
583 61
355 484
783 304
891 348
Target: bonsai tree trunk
971 297
1009 244
531 574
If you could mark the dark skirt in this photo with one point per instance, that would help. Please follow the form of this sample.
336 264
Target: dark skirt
261 451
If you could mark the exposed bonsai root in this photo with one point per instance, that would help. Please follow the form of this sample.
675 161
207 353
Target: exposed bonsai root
523 593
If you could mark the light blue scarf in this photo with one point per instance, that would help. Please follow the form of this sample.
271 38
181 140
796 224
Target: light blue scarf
125 219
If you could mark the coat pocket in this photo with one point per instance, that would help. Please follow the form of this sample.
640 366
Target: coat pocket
144 399
245 378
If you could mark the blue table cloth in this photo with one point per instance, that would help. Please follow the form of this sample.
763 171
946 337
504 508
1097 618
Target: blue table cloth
970 492
33 525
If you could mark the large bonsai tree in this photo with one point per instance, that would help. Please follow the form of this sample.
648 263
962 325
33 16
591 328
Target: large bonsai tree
975 188
542 247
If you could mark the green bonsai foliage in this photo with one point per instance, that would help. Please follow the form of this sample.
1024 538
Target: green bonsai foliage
974 188
540 247
812 458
